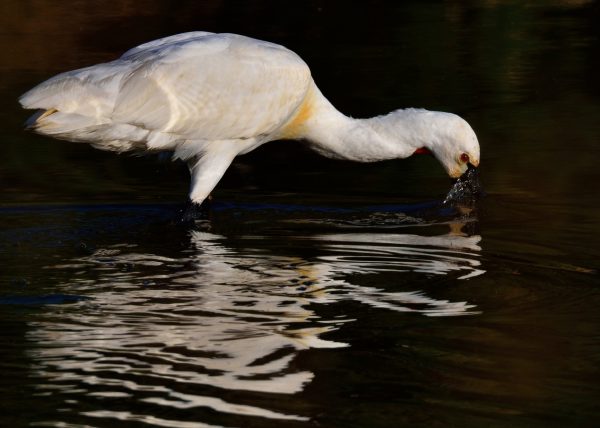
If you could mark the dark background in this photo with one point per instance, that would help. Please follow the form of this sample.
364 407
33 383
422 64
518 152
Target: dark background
525 76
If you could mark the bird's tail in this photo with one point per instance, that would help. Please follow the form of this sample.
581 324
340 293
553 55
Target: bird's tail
58 124
76 106
82 129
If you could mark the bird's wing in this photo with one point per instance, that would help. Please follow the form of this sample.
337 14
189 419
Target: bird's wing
155 46
88 92
211 87
91 92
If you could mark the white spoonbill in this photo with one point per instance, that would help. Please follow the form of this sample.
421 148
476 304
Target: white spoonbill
210 97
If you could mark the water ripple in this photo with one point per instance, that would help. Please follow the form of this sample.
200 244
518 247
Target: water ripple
223 315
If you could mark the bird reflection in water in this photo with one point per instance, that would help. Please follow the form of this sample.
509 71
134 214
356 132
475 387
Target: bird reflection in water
227 317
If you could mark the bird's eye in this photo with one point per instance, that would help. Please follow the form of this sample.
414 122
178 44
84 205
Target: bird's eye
464 158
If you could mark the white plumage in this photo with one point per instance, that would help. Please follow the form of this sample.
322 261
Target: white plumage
210 97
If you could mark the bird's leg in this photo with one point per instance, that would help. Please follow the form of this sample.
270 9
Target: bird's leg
206 171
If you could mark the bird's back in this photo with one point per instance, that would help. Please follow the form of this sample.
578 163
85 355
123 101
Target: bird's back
189 87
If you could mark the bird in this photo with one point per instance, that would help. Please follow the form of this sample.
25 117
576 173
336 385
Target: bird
209 97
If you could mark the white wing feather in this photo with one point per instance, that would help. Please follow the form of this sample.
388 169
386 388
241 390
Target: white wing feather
192 86
154 46
214 88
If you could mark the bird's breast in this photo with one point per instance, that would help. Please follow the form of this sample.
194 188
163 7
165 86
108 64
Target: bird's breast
295 126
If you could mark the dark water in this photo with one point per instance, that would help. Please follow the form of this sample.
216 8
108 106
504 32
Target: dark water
319 293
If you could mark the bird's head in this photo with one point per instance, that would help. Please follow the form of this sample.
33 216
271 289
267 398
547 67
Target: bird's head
452 141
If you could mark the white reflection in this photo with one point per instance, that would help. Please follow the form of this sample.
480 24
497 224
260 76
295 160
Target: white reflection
227 318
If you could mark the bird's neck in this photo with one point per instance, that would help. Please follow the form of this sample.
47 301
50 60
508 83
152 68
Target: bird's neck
335 135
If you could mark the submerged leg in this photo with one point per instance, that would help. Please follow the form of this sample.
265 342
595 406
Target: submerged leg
194 212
